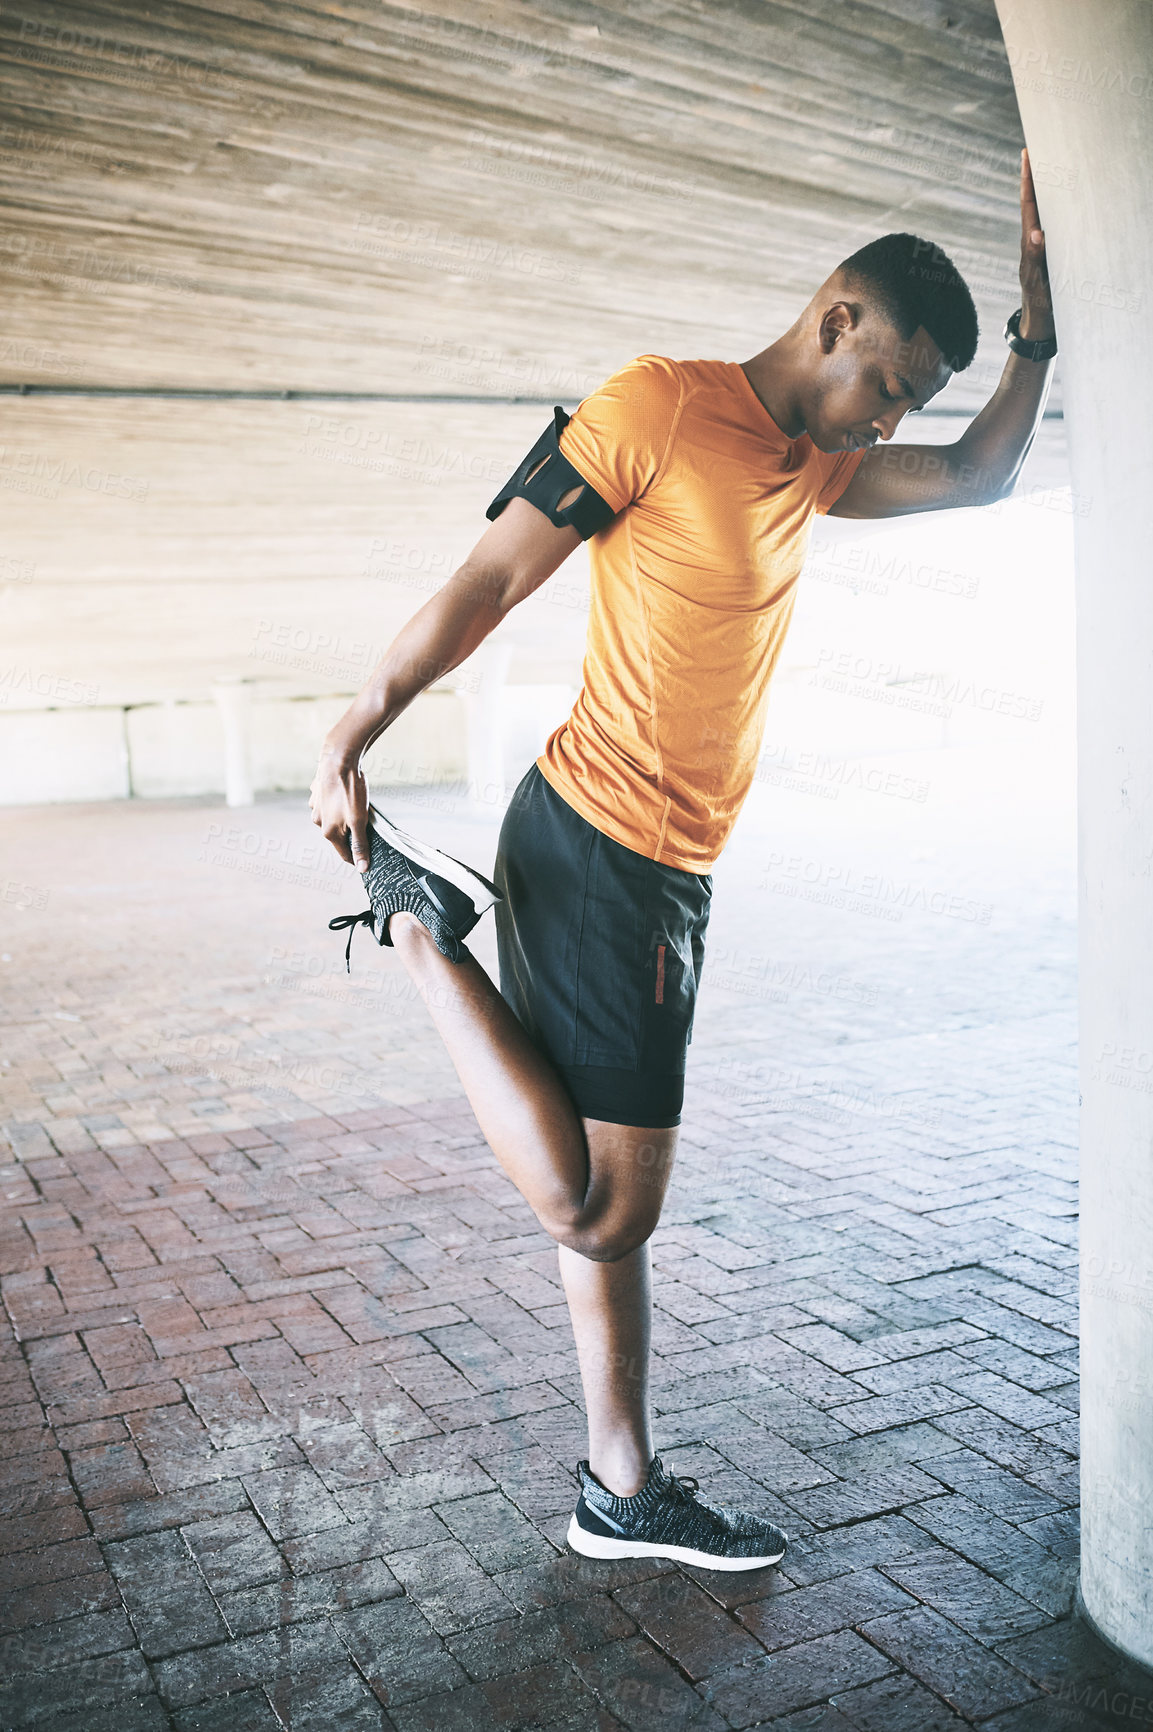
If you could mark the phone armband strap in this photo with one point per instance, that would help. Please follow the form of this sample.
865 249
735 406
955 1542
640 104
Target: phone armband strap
546 476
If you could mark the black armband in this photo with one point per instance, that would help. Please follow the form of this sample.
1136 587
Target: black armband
545 476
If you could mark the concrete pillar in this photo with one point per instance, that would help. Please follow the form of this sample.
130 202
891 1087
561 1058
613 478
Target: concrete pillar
1084 76
233 700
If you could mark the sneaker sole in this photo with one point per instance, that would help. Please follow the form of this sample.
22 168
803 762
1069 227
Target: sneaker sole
482 894
601 1546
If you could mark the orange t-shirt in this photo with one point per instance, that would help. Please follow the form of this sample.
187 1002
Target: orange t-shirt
693 586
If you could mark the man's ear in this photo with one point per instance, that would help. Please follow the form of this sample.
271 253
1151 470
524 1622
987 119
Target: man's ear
836 320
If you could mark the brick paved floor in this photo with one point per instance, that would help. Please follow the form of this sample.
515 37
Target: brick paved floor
292 1405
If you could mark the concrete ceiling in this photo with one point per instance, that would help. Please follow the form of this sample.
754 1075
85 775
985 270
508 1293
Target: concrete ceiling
454 198
445 200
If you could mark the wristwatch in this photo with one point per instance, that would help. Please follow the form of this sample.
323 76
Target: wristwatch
1037 349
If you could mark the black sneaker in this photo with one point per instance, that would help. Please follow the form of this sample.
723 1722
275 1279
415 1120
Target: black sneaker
406 875
666 1519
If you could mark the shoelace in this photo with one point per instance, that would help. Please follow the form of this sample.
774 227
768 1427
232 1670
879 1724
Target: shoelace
351 921
683 1486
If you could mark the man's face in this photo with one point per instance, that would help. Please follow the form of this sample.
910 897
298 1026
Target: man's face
866 378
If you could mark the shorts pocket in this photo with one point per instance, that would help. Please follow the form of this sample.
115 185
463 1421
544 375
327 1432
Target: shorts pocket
610 960
676 915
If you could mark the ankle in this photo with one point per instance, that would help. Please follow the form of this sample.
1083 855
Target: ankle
404 928
623 1478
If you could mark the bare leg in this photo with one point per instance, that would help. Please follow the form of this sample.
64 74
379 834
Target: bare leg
597 1188
611 1307
519 1101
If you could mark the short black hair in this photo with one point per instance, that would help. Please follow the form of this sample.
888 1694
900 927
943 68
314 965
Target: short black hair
916 284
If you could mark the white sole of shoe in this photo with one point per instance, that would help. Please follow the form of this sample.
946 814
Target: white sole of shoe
603 1546
482 893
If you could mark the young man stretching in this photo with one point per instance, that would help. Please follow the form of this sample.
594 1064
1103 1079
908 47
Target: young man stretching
697 482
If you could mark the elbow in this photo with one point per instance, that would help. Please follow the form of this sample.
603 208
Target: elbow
988 486
999 490
488 588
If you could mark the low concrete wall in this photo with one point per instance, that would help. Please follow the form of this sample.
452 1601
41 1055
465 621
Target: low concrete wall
73 754
164 750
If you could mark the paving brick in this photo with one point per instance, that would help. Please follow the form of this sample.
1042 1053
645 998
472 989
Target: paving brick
823 1718
796 1421
796 1677
383 1411
839 1351
1063 1653
494 1531
683 1620
918 1442
110 1681
234 1551
882 1411
517 1645
1029 1370
1009 1446
870 1494
123 1521
569 1576
978 1535
465 1709
165 1594
30 1466
42 1530
177 1473
50 1646
399 1653
244 1711
528 1477
110 1473
897 1704
414 1490
345 1455
34 1497
338 1700
47 1602
1007 1400
359 1303
1049 1582
51 1563
642 1689
840 1604
991 1487
821 1556
908 1343
448 1585
1061 1532
292 1598
980 1605
898 1375
971 1679
292 1501
766 1458
228 1404
135 1714
292 1651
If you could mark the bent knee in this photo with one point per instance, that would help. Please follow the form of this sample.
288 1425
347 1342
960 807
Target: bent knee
609 1240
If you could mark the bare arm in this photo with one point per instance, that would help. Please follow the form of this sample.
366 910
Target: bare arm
518 553
984 463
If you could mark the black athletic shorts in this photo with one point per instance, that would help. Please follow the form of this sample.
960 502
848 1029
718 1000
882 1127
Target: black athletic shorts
600 957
